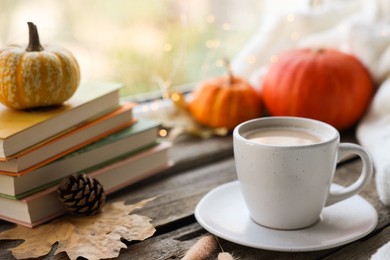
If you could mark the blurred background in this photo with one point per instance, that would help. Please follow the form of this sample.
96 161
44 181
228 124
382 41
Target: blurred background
147 45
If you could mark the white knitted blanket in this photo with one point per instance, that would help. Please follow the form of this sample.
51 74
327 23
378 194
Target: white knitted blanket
359 27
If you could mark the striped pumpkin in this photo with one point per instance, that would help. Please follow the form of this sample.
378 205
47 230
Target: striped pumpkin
37 76
225 102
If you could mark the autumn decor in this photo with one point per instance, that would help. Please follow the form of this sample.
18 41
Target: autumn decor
93 237
225 101
322 84
36 76
82 195
204 249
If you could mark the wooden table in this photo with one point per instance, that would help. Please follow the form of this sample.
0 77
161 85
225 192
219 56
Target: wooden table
201 165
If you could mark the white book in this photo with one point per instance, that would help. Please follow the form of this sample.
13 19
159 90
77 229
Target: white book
45 205
141 135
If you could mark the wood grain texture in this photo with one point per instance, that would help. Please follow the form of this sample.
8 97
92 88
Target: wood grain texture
202 165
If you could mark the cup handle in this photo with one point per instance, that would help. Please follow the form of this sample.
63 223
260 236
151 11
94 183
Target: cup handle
365 176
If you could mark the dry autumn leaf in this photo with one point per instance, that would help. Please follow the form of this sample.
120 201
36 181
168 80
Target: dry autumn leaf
179 121
92 237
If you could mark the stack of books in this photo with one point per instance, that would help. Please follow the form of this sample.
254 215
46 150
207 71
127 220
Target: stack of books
92 133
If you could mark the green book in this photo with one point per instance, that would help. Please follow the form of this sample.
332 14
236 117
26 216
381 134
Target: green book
45 205
131 140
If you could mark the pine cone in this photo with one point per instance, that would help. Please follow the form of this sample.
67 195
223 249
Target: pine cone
82 195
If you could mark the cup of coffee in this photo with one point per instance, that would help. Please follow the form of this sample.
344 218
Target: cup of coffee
285 167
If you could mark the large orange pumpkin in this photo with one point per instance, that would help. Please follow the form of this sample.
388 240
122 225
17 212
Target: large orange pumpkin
37 75
323 84
225 101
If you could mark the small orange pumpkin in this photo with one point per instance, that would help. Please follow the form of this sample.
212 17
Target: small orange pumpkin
37 76
225 102
324 84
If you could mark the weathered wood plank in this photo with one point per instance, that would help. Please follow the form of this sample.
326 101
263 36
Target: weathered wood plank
173 245
363 249
178 193
190 152
182 192
200 166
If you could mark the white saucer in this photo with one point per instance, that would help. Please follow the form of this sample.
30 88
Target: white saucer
223 213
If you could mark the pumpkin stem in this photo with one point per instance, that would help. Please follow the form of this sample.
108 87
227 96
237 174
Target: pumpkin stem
33 43
228 69
318 50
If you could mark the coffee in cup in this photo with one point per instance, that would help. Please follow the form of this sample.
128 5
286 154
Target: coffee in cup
285 167
283 136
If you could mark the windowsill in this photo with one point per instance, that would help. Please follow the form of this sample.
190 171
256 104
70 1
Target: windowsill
158 94
188 151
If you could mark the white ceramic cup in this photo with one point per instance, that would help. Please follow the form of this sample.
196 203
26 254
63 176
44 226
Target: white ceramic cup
286 187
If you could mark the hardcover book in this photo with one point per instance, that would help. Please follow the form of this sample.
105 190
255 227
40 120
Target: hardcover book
141 135
45 205
65 143
20 129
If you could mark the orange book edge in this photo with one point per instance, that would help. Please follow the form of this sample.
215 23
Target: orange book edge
123 108
93 121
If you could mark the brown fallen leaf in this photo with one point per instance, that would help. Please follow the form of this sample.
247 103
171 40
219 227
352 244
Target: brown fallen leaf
176 118
92 237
